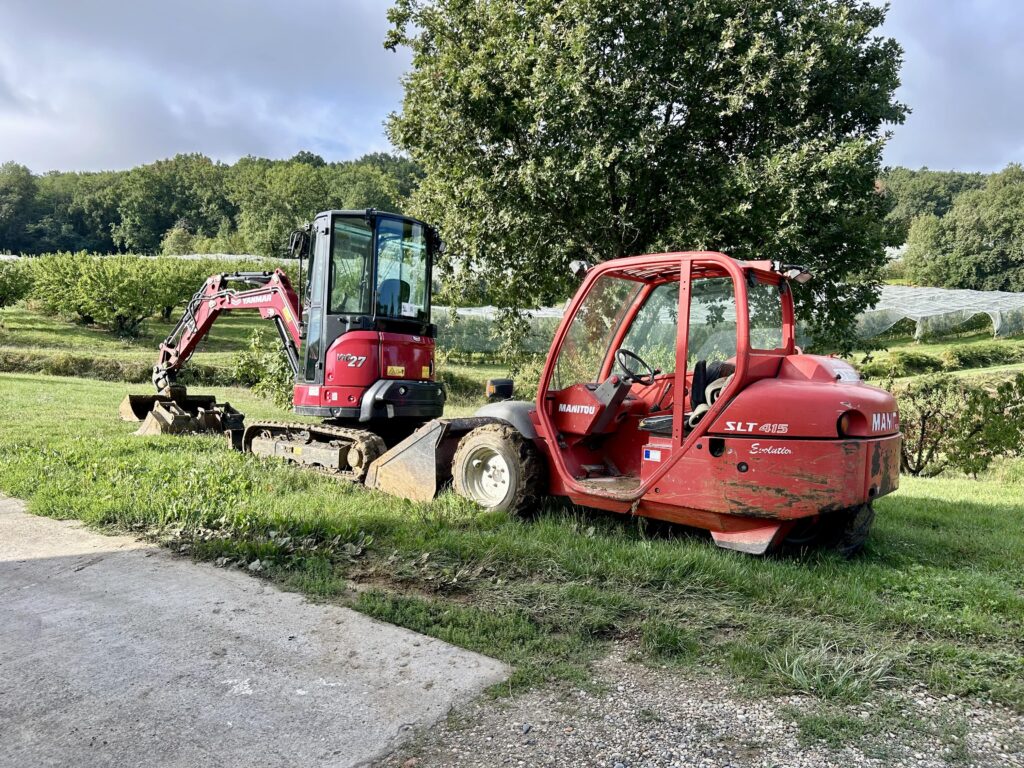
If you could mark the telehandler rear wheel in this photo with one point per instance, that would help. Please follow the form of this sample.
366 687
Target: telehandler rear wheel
498 468
845 531
850 529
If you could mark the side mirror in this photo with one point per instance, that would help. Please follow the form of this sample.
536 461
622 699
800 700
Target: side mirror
298 241
579 268
499 389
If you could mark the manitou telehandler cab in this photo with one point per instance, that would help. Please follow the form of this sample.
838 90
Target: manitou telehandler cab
359 342
674 390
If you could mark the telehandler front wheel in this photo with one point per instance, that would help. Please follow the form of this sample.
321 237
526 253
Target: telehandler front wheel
498 468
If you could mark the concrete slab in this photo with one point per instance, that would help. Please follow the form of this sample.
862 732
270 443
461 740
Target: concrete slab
115 653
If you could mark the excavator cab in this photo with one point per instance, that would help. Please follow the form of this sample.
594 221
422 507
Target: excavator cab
367 349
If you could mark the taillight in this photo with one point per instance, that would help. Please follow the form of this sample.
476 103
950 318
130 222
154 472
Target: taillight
843 425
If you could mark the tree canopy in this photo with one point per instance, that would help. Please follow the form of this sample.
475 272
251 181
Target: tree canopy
923 192
190 203
554 130
978 243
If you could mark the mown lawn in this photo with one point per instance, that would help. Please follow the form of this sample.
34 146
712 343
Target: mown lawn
937 598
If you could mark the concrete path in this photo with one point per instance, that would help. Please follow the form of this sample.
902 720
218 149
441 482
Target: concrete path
115 653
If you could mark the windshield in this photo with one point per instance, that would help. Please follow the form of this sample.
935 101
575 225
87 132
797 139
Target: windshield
590 335
350 266
403 288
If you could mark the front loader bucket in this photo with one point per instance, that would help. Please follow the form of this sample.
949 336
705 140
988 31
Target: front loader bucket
138 407
180 413
419 467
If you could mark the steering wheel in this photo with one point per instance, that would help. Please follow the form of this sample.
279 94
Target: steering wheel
624 356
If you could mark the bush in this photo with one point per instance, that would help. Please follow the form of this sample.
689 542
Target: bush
949 423
118 292
55 288
264 367
902 362
982 355
459 386
15 281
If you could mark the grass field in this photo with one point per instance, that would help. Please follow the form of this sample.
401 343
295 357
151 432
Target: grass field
31 342
938 597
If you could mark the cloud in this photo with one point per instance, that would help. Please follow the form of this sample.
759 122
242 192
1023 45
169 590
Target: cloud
88 86
963 67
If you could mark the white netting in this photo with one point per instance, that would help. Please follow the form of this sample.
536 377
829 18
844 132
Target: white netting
937 311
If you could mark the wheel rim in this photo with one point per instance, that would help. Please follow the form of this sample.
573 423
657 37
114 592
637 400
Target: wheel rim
487 476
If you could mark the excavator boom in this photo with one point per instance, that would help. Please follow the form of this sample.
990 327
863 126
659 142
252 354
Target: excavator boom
172 409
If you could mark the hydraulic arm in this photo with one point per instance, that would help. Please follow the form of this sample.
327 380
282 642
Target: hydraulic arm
274 297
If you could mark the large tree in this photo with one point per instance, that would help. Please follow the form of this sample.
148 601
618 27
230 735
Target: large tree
924 192
17 198
550 130
979 243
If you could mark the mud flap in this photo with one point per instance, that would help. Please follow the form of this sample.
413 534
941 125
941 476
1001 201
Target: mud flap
420 467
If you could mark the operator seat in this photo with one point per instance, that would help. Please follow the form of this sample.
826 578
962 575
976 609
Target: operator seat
704 395
391 295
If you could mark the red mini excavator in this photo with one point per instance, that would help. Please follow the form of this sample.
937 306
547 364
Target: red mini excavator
359 341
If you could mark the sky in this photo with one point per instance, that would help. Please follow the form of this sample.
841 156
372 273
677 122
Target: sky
109 84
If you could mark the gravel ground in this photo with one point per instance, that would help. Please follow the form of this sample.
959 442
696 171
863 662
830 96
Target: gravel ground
645 716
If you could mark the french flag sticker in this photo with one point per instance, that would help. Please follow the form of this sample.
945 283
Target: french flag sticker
651 455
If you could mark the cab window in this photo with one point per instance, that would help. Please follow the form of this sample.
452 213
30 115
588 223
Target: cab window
351 248
712 334
652 336
403 287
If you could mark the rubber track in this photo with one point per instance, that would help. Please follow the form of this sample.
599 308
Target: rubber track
371 445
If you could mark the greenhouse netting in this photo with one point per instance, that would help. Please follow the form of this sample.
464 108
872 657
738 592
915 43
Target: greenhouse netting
938 311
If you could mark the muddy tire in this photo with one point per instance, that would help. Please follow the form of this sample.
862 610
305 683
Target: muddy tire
499 469
845 531
848 531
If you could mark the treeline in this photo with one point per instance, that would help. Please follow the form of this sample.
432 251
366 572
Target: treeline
962 230
190 203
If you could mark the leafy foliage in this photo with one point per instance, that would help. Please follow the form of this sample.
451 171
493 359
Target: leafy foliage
950 424
190 204
17 191
924 192
264 367
15 281
978 244
553 131
119 292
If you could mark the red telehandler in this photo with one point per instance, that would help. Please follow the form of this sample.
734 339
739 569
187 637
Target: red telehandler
673 389
359 342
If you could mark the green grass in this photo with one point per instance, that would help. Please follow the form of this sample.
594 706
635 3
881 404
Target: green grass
938 597
31 342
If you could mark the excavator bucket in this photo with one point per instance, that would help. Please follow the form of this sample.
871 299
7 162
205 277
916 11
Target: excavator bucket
138 407
166 419
180 413
419 467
